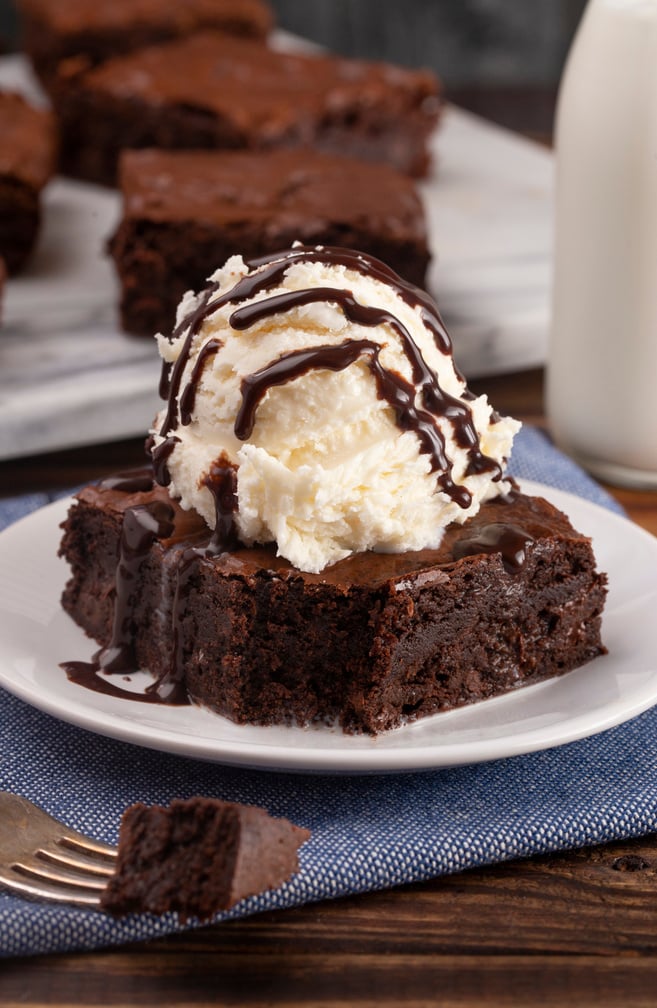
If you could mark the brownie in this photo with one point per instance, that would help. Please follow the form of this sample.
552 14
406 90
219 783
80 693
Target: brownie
53 30
198 856
27 161
511 597
184 211
214 91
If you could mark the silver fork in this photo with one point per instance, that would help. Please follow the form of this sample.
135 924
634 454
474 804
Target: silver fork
43 859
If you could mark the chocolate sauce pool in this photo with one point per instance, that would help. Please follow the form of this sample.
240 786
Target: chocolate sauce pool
133 481
498 537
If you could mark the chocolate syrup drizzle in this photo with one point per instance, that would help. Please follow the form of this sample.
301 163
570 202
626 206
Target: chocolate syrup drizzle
142 525
222 483
265 273
390 385
188 397
160 456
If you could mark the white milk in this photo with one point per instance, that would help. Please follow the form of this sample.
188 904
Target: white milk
602 366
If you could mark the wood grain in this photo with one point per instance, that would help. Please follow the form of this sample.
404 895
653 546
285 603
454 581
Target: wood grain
578 929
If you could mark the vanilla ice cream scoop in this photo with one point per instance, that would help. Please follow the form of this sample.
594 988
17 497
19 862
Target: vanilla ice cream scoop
313 401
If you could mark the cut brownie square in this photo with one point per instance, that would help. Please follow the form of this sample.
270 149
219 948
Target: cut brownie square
510 598
198 856
99 29
27 161
185 210
213 91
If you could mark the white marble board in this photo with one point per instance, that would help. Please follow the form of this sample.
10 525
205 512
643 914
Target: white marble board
69 376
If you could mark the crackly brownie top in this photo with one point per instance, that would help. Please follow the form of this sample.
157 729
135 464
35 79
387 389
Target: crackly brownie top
27 140
180 16
300 187
261 92
506 525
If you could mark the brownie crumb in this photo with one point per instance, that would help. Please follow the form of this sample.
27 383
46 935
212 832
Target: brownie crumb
630 863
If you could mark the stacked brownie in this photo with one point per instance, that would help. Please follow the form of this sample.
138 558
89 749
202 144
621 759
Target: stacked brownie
213 91
186 211
510 598
28 153
202 77
96 30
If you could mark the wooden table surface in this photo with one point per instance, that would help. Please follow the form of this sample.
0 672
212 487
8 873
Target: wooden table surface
574 929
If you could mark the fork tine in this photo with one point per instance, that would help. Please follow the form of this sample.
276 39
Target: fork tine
42 858
33 890
33 870
85 866
87 847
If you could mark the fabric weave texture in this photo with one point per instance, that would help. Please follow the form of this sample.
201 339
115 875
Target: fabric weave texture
368 832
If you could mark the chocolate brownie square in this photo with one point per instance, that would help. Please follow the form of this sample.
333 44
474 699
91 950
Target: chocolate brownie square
510 598
27 161
53 30
213 91
186 211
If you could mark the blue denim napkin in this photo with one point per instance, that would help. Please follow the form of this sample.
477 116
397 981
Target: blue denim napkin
368 832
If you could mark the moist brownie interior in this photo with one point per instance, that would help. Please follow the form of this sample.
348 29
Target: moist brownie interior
198 856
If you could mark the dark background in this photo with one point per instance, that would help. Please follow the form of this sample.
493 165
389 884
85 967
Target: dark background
488 52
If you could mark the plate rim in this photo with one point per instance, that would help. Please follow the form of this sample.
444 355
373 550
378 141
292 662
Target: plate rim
370 758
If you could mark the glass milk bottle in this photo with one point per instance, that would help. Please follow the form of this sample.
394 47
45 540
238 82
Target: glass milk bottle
602 362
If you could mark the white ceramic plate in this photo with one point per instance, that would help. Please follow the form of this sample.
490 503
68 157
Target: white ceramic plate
36 635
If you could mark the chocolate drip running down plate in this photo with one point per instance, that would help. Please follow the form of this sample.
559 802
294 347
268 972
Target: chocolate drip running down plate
35 635
69 376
